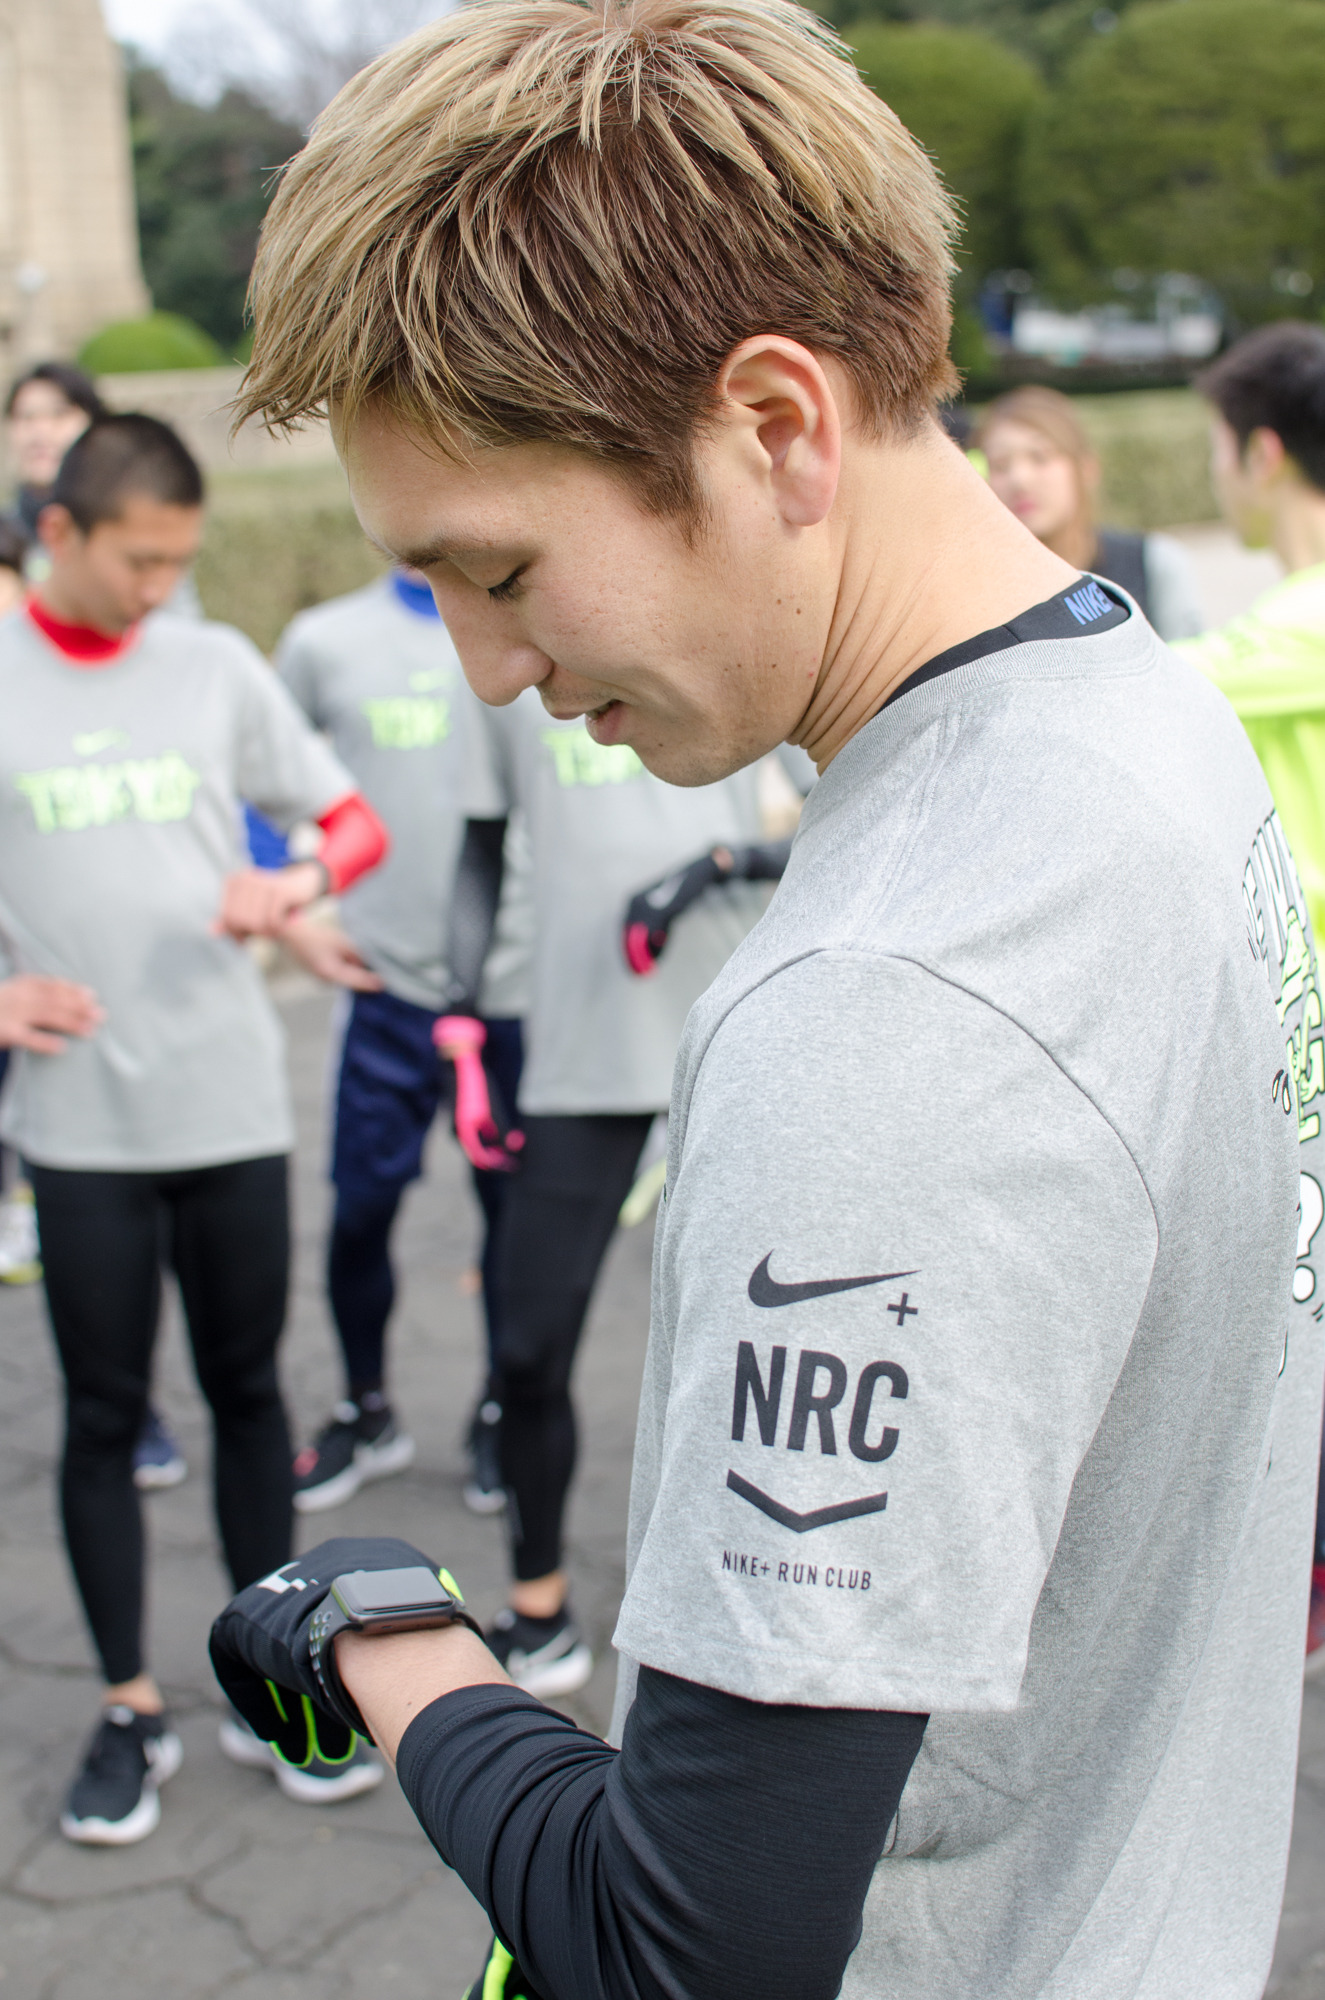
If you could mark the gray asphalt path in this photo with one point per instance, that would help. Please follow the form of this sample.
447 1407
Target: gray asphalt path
240 1893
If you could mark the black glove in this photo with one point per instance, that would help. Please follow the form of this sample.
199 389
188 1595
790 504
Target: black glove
651 914
260 1649
501 1978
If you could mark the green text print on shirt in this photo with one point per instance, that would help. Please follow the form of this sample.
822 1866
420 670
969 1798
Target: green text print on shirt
408 721
1279 936
581 761
75 796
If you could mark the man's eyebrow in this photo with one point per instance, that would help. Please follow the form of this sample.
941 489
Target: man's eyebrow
426 554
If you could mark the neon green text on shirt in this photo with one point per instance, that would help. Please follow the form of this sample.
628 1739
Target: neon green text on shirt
408 721
75 796
581 761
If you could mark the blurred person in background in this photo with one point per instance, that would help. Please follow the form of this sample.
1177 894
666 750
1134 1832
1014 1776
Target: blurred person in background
20 1263
377 671
47 410
1042 467
1268 467
50 405
157 1135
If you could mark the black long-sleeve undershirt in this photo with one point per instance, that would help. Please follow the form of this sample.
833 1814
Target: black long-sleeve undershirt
474 900
724 1851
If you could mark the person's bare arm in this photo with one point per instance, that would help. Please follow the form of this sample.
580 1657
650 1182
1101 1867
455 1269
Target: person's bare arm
258 902
37 1013
395 1679
323 949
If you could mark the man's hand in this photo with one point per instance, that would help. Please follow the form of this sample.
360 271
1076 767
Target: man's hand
261 1651
328 954
258 902
37 1013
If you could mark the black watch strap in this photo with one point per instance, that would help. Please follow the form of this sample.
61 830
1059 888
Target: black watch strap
331 1618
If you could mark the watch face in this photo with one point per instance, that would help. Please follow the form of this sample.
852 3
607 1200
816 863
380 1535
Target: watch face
369 1593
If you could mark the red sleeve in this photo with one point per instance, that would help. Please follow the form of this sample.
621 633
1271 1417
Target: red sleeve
354 840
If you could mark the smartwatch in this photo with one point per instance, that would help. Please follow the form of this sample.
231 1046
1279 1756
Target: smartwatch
378 1601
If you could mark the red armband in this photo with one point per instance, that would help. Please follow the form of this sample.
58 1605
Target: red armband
354 840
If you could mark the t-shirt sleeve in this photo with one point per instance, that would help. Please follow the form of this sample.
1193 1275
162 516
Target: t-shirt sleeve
901 1261
282 767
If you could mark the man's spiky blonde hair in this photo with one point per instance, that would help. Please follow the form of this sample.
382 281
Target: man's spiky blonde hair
540 221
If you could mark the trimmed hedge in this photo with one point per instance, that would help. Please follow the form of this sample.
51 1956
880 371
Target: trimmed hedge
279 541
162 340
1154 449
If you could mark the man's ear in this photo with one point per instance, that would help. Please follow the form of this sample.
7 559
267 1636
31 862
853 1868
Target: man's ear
57 530
1263 456
782 406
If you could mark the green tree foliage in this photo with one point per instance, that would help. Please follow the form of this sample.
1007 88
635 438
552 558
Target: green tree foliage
1191 139
967 100
163 340
202 174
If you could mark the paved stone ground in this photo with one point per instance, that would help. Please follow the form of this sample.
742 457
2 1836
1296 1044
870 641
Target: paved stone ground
240 1893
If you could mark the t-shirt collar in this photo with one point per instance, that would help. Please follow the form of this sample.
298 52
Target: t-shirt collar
85 645
1081 610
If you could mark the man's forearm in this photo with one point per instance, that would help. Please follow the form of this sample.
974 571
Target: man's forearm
393 1680
640 1876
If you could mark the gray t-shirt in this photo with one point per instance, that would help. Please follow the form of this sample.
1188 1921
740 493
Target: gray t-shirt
119 821
976 1383
597 1038
384 682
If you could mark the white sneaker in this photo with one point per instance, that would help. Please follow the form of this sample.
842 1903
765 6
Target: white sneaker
20 1251
318 1783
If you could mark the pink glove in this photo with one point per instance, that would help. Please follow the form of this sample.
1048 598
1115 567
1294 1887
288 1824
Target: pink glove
460 1038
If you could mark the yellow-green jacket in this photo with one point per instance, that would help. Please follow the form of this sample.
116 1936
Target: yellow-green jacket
1271 665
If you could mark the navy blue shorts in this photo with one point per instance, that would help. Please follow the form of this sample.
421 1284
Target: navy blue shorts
392 1085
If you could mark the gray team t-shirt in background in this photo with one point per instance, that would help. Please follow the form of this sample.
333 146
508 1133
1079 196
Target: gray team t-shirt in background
119 821
385 684
598 1038
980 1381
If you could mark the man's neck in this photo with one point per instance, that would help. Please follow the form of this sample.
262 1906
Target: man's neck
929 557
64 601
1298 526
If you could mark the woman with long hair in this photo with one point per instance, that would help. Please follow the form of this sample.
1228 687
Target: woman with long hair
1043 469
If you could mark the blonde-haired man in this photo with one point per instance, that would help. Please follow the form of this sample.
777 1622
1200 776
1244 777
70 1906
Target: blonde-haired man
977 1407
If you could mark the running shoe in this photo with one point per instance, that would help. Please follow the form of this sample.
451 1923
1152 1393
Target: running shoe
20 1252
317 1783
544 1656
354 1446
157 1459
483 1491
1316 1623
113 1800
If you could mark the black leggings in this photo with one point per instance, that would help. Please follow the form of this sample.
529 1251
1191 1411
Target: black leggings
556 1222
225 1231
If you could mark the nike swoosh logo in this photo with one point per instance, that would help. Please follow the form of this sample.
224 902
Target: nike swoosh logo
101 739
766 1291
818 1517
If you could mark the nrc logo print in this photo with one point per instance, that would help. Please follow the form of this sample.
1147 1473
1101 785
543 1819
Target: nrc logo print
1089 603
819 1393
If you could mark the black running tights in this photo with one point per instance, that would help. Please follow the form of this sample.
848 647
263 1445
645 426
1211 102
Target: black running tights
225 1232
556 1222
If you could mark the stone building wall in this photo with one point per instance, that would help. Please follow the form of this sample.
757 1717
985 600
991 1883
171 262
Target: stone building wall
68 237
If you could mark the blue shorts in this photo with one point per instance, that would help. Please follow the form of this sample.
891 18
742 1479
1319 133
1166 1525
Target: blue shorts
390 1088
